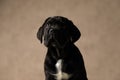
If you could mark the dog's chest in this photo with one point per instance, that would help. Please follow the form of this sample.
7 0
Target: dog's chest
60 75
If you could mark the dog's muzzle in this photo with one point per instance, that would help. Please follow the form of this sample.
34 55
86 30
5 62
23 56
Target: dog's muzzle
55 38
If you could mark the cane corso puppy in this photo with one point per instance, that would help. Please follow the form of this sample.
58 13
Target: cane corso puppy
63 59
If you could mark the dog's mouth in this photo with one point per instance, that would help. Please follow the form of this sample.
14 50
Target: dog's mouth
55 42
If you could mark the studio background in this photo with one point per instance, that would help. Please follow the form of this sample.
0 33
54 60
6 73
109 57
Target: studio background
22 55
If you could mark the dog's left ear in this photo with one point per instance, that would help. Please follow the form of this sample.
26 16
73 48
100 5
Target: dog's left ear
74 32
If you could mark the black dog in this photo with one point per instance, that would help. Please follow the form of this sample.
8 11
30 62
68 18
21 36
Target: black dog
63 60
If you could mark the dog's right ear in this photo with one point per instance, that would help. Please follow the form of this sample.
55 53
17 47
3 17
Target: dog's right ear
40 32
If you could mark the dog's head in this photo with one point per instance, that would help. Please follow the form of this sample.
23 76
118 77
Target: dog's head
58 31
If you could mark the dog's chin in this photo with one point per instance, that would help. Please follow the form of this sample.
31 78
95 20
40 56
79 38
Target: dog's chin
54 44
58 46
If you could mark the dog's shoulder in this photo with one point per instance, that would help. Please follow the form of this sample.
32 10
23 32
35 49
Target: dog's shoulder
73 47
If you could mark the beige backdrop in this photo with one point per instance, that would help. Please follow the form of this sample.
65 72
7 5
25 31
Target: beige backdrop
22 55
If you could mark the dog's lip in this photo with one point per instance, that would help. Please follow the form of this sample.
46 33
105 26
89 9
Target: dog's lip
51 42
54 42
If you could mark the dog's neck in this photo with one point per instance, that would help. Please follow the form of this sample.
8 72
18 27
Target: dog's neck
60 51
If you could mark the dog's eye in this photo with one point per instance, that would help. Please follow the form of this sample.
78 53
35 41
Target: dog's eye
51 30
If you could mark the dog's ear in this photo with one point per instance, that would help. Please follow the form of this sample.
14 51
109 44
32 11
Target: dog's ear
40 32
74 32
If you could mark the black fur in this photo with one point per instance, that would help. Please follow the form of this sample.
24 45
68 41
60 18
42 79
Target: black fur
59 35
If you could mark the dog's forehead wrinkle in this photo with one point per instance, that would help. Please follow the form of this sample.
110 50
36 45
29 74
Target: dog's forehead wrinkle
55 27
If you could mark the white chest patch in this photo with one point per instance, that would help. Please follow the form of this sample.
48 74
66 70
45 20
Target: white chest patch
61 75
